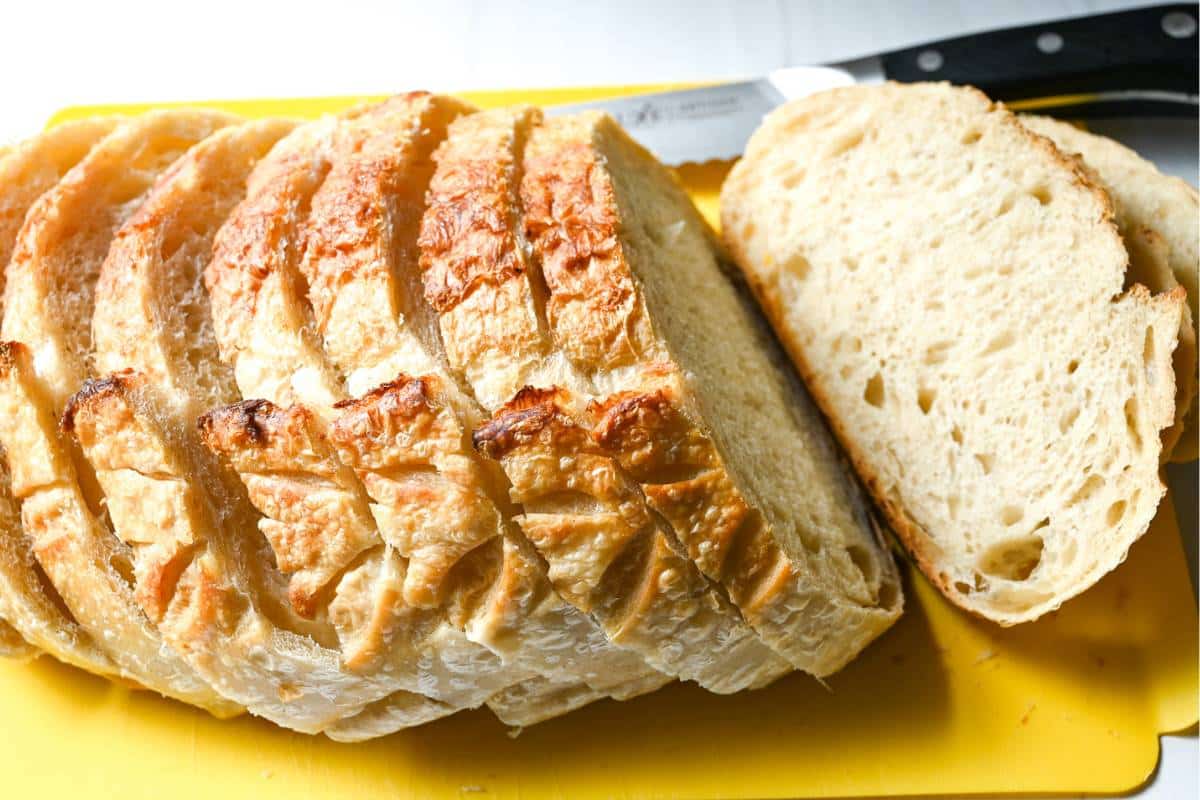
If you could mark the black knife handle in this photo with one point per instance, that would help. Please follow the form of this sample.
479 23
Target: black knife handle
1146 51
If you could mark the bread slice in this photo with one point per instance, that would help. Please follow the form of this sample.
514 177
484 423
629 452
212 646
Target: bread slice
1145 199
589 331
51 279
950 285
28 601
354 240
202 575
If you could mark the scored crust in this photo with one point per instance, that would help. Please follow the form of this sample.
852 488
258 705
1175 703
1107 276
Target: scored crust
51 280
407 444
27 600
359 238
612 558
768 203
358 154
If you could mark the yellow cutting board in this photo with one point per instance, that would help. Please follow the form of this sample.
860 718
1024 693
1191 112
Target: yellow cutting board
942 704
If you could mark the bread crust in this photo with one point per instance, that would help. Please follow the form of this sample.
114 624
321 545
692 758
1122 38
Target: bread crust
609 556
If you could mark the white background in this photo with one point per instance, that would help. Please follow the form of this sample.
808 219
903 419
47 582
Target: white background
56 54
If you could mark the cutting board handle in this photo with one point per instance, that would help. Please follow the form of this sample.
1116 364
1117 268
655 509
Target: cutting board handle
1143 61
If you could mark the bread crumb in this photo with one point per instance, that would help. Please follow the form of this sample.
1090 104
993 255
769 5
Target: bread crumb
513 733
268 774
986 655
471 789
1028 713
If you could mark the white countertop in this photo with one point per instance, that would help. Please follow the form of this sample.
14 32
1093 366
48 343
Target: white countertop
115 51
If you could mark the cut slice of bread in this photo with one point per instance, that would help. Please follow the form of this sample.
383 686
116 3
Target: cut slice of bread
537 232
51 282
950 285
1145 199
27 599
201 575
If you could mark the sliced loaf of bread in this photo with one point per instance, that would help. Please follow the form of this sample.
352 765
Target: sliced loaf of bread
951 287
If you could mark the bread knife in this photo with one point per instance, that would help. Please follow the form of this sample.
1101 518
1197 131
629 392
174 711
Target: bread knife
1142 62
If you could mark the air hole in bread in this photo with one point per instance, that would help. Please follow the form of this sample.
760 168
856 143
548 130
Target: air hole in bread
1001 341
845 143
749 229
972 136
1093 484
793 178
1115 513
1006 205
1011 515
985 462
935 242
925 398
937 352
956 434
953 503
851 264
873 393
1013 560
1131 421
798 266
863 562
1067 419
1148 347
1072 366
1042 195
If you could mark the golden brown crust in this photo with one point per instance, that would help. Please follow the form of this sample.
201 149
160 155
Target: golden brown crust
571 220
607 553
360 256
432 500
476 265
77 552
468 234
319 536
